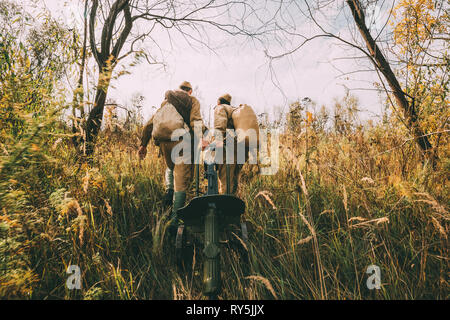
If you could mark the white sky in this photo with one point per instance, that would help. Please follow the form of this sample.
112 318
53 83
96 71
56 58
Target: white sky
241 71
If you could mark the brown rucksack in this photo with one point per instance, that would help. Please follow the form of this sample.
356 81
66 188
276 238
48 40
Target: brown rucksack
244 119
182 103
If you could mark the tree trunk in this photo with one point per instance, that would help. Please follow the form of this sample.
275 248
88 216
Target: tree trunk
409 111
94 121
78 97
106 60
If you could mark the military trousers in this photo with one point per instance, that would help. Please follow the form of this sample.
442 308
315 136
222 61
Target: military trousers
234 168
182 172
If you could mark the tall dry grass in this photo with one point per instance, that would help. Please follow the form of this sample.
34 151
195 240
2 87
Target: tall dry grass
316 225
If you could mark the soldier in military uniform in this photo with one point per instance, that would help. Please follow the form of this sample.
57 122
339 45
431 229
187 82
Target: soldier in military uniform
222 122
180 110
244 137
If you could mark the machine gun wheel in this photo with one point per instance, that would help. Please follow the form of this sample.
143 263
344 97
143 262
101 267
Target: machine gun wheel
180 245
184 248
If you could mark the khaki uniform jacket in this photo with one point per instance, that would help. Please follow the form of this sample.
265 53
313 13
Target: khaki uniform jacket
241 119
238 118
183 172
195 120
222 118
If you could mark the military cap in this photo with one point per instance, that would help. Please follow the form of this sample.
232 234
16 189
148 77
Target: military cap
226 97
185 84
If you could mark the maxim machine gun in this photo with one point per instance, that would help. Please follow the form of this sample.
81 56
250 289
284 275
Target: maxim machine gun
210 214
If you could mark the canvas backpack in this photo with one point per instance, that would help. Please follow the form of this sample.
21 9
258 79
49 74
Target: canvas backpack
244 119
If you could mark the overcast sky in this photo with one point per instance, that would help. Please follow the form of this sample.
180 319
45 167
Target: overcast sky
241 70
